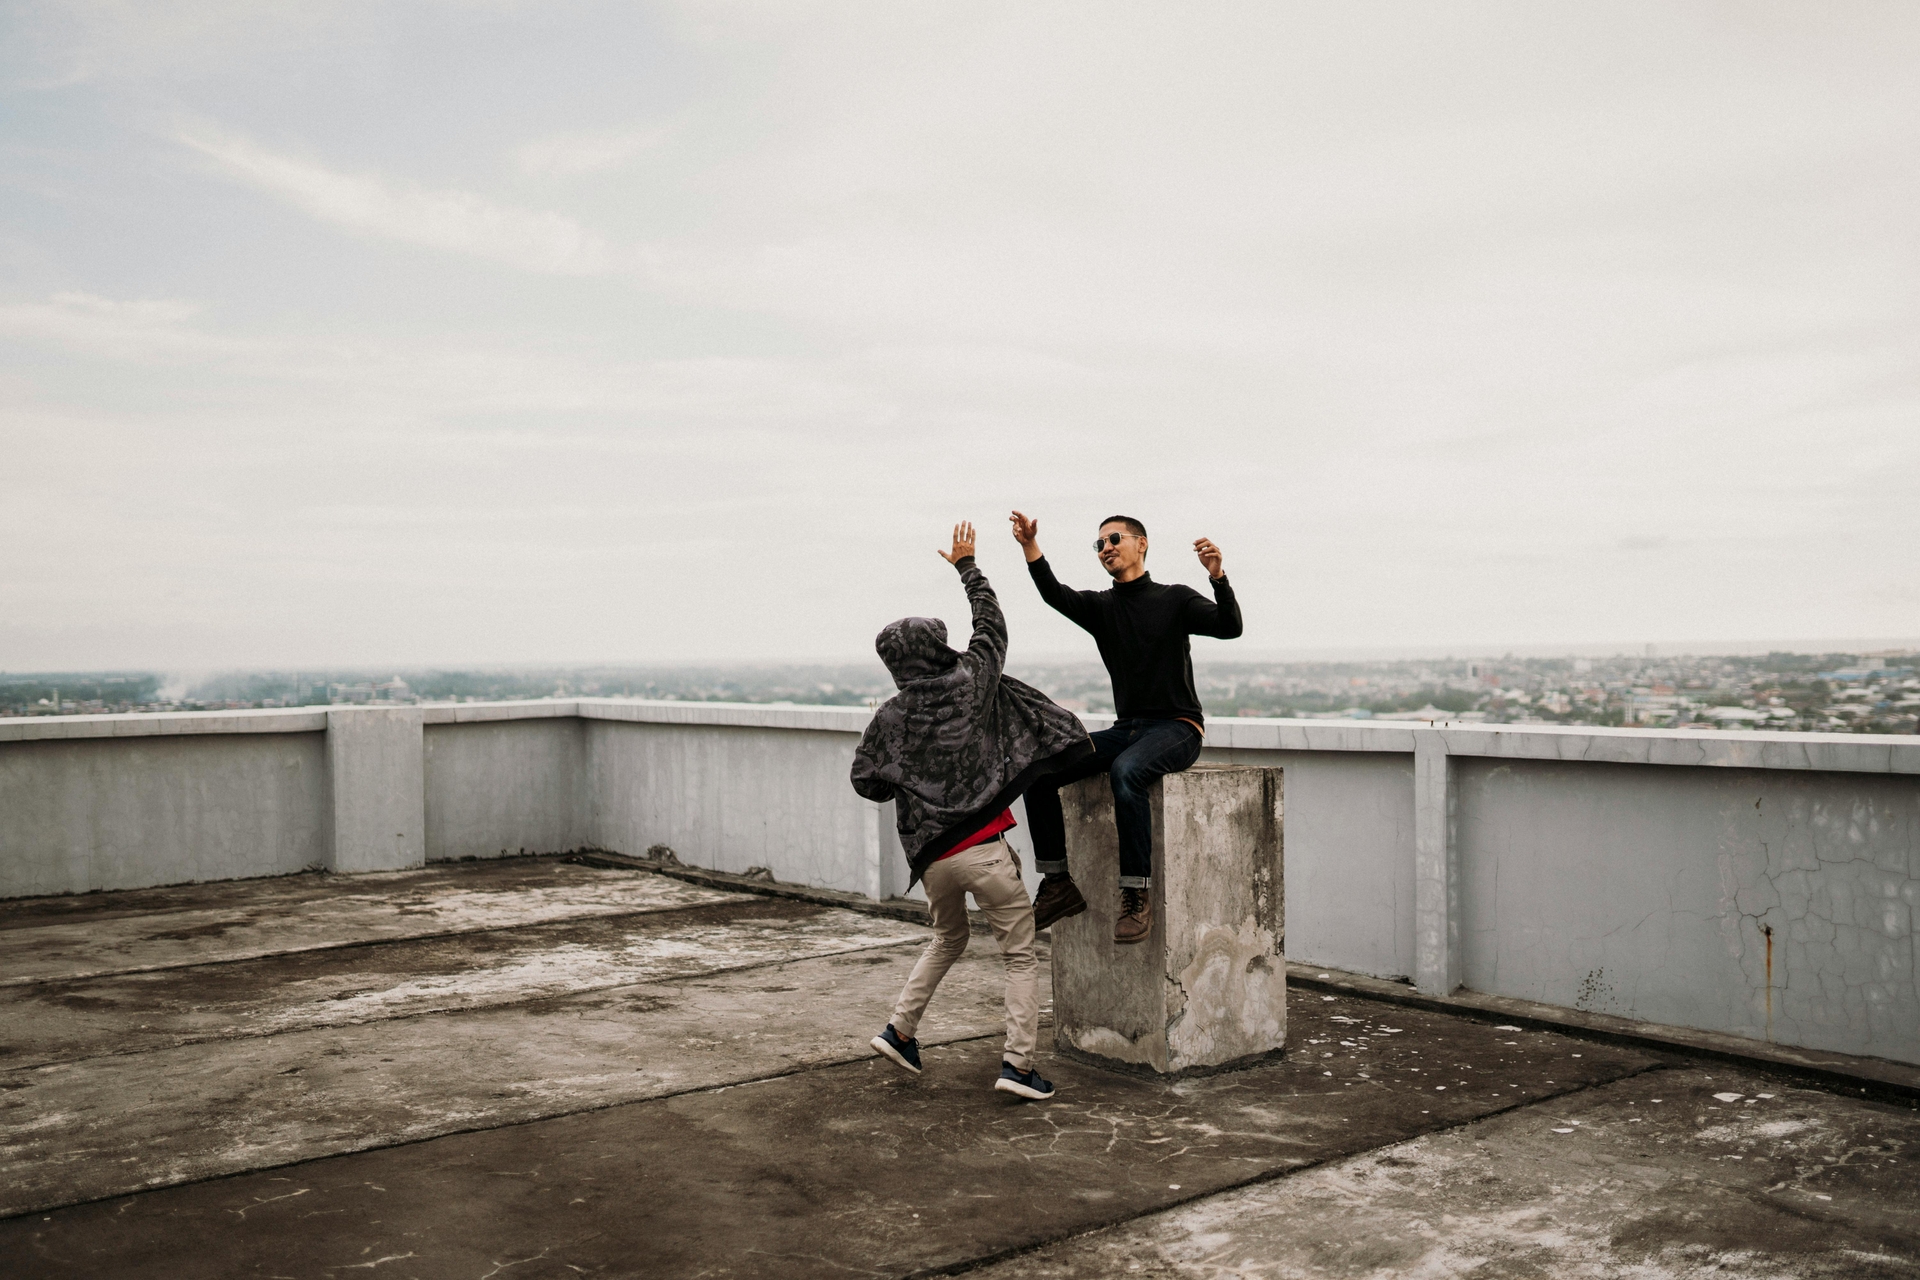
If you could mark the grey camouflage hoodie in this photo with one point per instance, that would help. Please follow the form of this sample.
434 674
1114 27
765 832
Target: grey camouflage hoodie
961 740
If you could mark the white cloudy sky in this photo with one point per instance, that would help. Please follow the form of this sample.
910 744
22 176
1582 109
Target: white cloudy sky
507 332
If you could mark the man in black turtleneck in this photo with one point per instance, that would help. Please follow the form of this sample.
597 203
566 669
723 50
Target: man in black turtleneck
1141 627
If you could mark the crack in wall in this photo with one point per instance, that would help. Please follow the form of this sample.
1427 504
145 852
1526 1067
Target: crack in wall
1781 907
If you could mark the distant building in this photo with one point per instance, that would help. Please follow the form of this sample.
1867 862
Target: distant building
1428 713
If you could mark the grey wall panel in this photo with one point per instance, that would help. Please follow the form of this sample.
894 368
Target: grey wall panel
1348 820
731 798
1771 904
501 787
107 813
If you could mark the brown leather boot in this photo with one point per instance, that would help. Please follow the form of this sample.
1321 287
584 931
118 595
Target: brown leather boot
1136 916
1058 898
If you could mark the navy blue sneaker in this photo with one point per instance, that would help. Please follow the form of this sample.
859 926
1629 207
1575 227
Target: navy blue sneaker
904 1052
1027 1084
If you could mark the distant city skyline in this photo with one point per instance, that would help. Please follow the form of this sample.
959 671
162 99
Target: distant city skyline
1844 692
595 332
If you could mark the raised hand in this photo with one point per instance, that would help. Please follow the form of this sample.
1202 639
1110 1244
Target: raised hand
1209 556
1027 533
962 543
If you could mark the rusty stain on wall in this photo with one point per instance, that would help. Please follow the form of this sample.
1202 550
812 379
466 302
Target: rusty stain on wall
1768 930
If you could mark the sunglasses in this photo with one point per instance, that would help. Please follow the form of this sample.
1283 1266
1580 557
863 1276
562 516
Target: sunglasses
1111 540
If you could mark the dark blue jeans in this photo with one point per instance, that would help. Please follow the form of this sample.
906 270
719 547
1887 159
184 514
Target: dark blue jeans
1133 753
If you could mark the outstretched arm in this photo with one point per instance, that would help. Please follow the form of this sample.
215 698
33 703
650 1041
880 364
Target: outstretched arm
1027 533
988 648
1220 618
1064 599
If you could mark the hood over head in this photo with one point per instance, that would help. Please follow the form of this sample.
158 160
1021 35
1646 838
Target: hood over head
962 739
915 648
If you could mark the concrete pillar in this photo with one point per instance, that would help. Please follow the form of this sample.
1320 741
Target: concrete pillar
1209 988
376 763
1436 869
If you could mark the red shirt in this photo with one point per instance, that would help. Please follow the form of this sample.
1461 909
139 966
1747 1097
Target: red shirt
1004 822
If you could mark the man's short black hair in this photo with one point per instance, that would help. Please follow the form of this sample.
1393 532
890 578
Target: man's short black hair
1133 526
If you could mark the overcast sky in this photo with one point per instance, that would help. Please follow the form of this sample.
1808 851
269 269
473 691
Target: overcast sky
566 332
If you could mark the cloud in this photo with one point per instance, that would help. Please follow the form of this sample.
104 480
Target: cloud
65 43
140 330
450 221
1454 326
128 312
575 153
514 393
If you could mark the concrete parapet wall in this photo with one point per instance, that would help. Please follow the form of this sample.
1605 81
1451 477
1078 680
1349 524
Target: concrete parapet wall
1630 872
737 796
125 812
1779 905
496 788
1349 860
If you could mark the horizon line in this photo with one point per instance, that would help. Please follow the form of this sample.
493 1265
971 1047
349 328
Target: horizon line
1655 649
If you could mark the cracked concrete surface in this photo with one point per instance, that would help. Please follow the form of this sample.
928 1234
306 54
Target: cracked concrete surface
622 1084
1767 904
90 1016
1680 1172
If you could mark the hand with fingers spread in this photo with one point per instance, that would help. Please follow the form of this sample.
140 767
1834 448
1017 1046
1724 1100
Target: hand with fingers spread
1027 533
962 543
1209 557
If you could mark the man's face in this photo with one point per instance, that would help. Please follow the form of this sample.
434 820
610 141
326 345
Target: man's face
1122 557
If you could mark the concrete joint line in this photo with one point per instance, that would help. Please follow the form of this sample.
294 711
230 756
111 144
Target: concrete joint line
896 909
1271 1175
905 910
1829 1078
364 942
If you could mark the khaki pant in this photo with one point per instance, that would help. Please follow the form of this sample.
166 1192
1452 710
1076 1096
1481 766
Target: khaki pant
990 873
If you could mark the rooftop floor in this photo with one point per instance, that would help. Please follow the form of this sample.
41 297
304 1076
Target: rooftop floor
530 1068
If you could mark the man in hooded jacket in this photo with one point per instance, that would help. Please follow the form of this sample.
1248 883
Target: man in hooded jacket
957 745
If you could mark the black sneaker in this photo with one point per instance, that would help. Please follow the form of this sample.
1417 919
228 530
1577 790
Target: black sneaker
1027 1084
1058 898
904 1052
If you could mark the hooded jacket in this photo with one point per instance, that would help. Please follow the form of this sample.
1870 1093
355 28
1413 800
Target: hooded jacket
961 740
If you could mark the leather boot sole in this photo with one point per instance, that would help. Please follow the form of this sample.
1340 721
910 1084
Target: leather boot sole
1060 909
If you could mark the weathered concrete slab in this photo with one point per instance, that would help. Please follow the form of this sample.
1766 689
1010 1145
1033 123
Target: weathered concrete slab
854 1168
137 1012
514 1102
105 1126
1847 1073
1210 986
79 935
1772 1182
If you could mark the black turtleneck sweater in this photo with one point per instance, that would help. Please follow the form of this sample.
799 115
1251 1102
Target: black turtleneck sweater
1141 628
